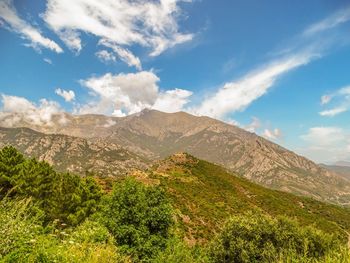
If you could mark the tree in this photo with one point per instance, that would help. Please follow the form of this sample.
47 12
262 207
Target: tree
10 159
139 217
63 196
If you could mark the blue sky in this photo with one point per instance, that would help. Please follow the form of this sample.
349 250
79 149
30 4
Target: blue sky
280 69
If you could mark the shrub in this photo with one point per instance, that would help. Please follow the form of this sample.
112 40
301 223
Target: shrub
260 238
177 251
18 227
139 218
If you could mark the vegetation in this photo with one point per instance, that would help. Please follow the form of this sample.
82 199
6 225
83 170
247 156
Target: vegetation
205 195
139 218
259 238
47 216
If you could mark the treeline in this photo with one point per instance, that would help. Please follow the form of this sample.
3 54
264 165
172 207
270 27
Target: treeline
47 216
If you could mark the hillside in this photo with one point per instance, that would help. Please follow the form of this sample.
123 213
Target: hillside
205 195
155 135
343 171
68 153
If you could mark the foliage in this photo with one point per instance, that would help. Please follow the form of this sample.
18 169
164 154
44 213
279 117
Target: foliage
259 238
46 216
139 218
18 227
61 196
177 251
23 239
10 159
204 195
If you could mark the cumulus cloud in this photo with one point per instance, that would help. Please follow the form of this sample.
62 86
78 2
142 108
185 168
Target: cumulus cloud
118 24
326 144
340 99
254 125
125 94
261 128
105 56
172 100
272 134
237 95
16 110
11 20
67 95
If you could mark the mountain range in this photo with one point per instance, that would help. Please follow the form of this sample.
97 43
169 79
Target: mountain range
114 145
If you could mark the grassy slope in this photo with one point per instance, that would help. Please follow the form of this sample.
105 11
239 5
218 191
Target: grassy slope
205 195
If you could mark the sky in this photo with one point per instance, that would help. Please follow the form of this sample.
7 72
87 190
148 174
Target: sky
280 69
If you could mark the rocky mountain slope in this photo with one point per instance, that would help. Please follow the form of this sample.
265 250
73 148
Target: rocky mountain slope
155 135
73 154
204 195
343 171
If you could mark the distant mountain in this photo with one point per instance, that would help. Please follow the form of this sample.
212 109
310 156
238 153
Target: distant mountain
342 163
155 135
205 195
343 171
73 154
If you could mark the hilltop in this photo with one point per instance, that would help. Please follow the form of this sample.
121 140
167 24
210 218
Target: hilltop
205 195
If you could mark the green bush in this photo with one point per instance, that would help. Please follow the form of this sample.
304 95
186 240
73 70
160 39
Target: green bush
23 239
177 251
139 217
256 237
18 227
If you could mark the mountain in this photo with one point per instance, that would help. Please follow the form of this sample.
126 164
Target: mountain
68 153
155 135
343 171
343 163
204 195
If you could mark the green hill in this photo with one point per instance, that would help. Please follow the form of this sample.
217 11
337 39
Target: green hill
205 195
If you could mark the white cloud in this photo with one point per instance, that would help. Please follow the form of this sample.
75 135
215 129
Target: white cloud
326 144
105 56
333 112
172 100
122 24
13 22
17 109
237 95
67 95
341 99
124 54
330 22
325 99
324 136
48 61
272 134
254 125
125 94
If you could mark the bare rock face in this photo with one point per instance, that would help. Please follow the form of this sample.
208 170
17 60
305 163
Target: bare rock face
73 154
155 135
